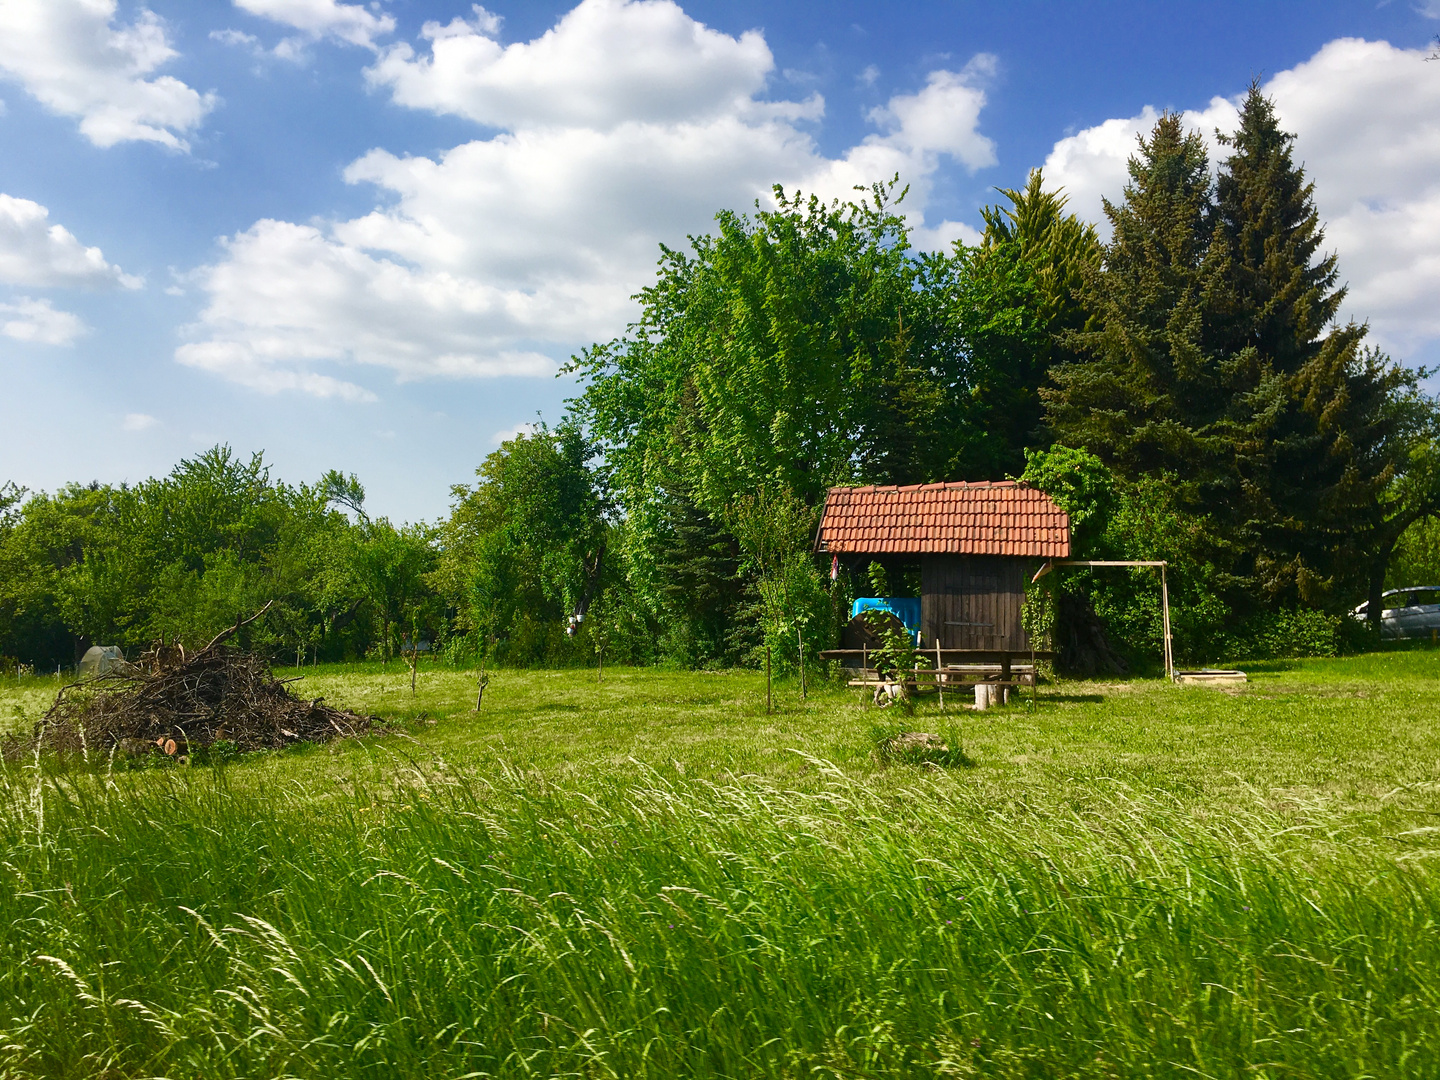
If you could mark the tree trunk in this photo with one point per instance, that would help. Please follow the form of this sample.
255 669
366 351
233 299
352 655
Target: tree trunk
1083 646
1379 564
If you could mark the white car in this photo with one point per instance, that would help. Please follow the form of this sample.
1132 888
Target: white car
1407 613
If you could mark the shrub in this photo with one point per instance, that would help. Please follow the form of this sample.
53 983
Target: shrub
1288 633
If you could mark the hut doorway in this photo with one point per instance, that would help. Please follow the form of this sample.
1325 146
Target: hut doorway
973 601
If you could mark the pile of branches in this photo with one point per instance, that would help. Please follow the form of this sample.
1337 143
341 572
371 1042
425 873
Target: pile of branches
172 702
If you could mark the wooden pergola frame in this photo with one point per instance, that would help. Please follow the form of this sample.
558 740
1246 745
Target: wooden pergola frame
1166 646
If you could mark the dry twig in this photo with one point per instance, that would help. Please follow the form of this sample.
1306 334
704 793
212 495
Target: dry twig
169 698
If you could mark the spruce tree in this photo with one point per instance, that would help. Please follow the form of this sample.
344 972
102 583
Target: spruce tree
1283 297
1315 423
1146 397
1218 363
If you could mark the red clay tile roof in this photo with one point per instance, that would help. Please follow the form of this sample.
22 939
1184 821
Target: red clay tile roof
1001 518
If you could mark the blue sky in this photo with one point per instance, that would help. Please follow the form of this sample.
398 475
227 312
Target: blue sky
365 237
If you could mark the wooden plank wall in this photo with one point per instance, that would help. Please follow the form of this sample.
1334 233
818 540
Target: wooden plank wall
973 601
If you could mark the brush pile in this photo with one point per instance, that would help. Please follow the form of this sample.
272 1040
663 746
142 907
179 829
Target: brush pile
170 702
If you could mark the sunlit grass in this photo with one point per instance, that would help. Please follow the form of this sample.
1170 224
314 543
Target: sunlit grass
650 876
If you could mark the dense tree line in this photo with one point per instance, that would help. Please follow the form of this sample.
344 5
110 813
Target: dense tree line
1184 388
178 558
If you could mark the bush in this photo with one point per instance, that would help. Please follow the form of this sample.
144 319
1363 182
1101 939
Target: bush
1290 633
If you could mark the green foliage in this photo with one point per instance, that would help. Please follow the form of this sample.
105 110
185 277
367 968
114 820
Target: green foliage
1183 391
800 348
703 603
896 653
1060 248
1214 363
1417 556
11 496
1144 400
789 351
1038 611
878 579
1139 520
45 539
1333 425
774 528
183 556
1286 633
1079 483
524 548
1018 298
389 566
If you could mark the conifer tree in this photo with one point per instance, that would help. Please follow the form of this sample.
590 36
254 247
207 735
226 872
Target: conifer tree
698 583
1218 363
1146 398
1319 426
1059 247
1019 296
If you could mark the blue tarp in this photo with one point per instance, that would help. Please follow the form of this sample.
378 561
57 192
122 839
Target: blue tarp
904 608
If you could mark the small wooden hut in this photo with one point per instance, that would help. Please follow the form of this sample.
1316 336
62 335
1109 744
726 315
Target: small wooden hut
977 544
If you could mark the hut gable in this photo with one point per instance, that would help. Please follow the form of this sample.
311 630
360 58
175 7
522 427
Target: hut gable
986 518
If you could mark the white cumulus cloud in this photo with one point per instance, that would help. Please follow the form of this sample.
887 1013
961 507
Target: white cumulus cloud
317 19
76 61
237 38
137 421
1366 119
605 63
944 117
37 321
626 124
35 253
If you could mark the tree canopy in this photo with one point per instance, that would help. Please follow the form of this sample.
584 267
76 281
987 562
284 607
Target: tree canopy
1186 388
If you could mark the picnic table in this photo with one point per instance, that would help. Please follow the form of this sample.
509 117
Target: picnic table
963 662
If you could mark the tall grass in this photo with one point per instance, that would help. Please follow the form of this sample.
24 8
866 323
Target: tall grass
490 924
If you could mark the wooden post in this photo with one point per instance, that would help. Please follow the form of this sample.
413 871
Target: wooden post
800 640
1165 619
864 662
939 682
767 678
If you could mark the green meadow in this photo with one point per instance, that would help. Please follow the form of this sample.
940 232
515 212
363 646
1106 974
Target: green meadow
651 876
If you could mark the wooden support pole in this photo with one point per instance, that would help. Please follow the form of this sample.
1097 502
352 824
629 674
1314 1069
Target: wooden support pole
1165 618
800 641
939 679
767 678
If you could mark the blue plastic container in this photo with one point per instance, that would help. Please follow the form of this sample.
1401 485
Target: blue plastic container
904 608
